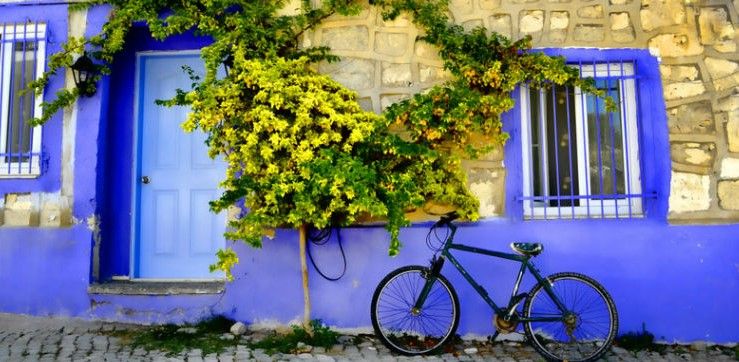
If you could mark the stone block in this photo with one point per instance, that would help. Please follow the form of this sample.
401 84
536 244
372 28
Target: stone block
732 131
366 104
689 192
729 103
469 25
620 21
431 74
559 20
714 26
353 73
719 68
488 184
346 37
728 46
678 73
21 210
690 153
53 210
396 75
674 45
590 12
426 51
489 4
684 90
393 44
730 168
387 99
461 7
727 82
660 13
692 118
501 24
728 195
530 22
620 2
589 32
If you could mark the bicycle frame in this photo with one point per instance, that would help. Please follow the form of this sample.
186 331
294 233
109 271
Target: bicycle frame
515 299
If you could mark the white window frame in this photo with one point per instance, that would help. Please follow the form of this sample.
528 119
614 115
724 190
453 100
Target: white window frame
12 33
624 207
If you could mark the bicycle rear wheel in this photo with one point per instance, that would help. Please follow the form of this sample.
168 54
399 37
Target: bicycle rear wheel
410 332
583 334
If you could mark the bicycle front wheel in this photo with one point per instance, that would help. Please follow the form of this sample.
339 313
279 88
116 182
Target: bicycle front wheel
585 332
406 330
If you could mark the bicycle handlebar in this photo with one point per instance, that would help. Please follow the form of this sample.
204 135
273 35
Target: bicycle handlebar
447 218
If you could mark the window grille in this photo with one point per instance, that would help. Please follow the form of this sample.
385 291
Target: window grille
580 160
22 53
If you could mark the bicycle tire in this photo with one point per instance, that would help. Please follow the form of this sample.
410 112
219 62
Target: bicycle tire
395 324
591 331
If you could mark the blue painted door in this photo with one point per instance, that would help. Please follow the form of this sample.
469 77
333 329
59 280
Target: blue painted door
177 234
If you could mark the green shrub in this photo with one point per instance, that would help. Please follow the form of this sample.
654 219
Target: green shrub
636 340
322 336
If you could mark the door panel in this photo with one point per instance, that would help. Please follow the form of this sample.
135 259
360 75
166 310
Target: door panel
177 234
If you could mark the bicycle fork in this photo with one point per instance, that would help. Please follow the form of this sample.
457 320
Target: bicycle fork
434 270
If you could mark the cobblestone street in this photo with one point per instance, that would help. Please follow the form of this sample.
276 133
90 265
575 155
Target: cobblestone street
24 338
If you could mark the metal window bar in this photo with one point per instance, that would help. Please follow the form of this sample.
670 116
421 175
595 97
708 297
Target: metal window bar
625 110
600 148
21 53
601 169
586 162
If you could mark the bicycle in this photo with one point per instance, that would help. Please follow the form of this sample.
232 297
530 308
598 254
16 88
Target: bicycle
566 316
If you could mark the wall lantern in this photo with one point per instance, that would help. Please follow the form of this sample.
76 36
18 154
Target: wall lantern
84 72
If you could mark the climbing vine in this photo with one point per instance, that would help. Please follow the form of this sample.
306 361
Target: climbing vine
299 148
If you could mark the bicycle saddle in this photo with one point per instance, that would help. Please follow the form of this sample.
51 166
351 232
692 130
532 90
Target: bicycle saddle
531 249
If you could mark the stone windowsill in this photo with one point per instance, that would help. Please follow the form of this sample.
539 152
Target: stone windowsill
157 287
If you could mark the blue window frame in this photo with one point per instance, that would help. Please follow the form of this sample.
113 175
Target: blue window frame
22 56
579 161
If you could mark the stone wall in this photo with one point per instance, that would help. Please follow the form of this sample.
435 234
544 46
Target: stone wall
383 62
696 42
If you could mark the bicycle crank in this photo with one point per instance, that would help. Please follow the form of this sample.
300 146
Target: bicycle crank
506 326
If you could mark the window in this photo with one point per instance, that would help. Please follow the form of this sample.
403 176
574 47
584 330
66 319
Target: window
22 53
580 160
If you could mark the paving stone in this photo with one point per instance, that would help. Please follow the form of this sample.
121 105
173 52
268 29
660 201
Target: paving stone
52 345
225 358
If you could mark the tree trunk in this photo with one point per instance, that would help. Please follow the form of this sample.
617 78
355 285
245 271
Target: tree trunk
304 271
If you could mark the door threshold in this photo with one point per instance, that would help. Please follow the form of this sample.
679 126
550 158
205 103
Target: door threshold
158 287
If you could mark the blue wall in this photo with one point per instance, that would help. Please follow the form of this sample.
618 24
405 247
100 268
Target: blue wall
682 281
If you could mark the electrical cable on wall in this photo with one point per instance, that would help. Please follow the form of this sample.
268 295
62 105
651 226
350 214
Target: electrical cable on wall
321 237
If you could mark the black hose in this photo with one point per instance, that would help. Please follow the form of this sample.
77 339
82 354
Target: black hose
321 237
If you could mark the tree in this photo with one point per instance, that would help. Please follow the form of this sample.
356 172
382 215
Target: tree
301 152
